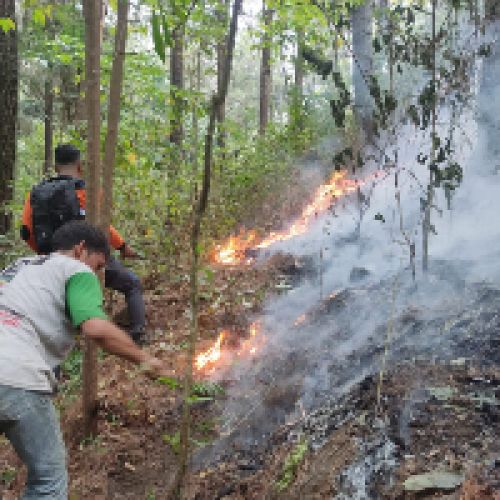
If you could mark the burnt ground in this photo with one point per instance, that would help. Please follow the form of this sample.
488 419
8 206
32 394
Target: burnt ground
438 408
439 383
431 417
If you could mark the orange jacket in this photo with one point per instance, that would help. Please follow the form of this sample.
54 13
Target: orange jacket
115 239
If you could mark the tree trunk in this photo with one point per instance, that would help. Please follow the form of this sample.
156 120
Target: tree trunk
177 85
115 92
48 121
92 12
70 96
362 18
195 125
198 212
265 71
426 224
298 90
222 15
49 109
9 84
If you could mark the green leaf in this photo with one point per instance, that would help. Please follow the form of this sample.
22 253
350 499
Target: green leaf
191 400
7 24
39 17
209 274
158 40
292 462
206 389
174 440
65 58
169 381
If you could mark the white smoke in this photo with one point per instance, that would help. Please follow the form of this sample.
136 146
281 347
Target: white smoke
341 346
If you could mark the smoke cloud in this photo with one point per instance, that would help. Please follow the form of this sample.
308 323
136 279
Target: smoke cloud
362 295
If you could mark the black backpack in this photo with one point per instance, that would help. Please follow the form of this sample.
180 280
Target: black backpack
53 203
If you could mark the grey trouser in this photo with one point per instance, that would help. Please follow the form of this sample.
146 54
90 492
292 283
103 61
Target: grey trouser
118 277
30 423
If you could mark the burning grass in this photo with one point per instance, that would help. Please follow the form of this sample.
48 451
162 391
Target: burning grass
221 354
237 249
212 355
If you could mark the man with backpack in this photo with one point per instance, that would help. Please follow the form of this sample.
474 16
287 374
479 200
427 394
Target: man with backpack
60 199
44 302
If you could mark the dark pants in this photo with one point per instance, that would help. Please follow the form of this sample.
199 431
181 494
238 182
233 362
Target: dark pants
118 277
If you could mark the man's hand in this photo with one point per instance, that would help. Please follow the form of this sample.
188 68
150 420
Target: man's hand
115 341
128 252
155 368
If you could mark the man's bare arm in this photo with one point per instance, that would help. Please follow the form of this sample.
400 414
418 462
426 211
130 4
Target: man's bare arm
115 341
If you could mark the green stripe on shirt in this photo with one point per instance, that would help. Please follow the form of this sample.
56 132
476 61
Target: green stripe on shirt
84 298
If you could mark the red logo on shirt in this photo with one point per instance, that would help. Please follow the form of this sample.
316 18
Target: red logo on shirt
7 318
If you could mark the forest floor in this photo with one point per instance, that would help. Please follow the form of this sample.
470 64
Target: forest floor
435 415
131 458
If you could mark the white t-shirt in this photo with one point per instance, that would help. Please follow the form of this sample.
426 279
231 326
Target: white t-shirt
36 332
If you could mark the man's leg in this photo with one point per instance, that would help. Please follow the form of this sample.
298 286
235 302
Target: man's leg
118 277
30 422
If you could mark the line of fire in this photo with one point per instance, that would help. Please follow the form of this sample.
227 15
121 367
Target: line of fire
244 248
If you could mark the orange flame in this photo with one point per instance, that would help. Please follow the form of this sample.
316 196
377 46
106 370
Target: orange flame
248 347
211 355
232 251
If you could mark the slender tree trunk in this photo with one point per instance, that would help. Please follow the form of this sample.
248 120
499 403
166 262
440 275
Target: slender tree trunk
9 85
195 125
362 32
476 18
115 92
177 85
48 121
298 91
430 192
265 71
92 12
198 212
391 58
222 15
221 49
72 104
335 46
49 109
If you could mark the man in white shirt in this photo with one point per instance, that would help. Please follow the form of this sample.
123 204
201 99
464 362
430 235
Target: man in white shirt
44 302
